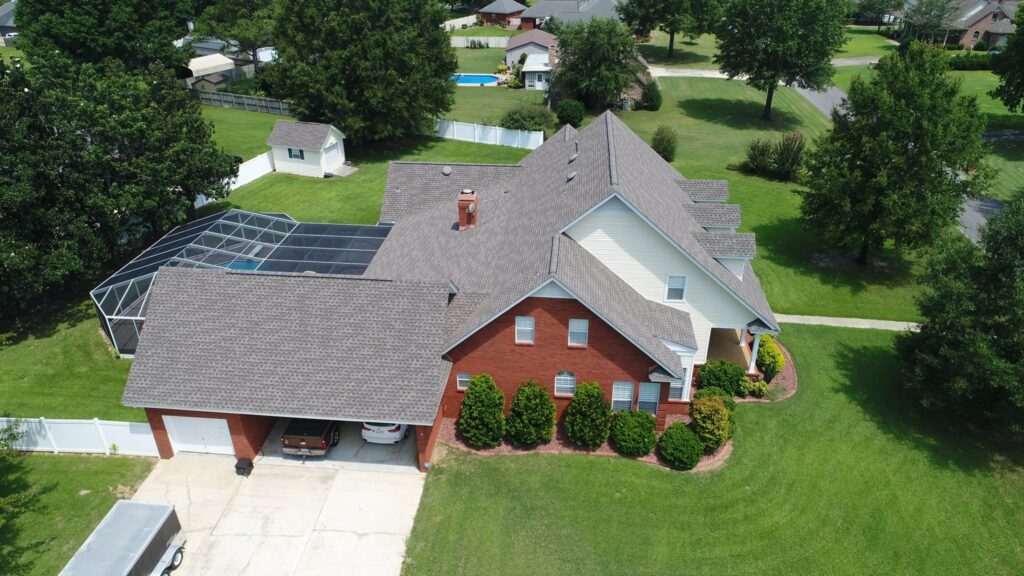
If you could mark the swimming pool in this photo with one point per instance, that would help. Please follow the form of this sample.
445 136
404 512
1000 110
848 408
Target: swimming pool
475 79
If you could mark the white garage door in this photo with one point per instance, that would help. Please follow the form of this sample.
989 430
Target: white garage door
208 435
332 156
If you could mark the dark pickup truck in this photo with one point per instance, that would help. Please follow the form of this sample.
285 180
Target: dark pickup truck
310 437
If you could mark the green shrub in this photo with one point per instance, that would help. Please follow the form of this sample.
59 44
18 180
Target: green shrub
482 417
570 112
789 156
531 416
651 98
664 143
588 416
717 392
633 433
475 44
973 60
761 156
679 447
980 46
721 374
529 118
757 389
711 422
954 47
770 360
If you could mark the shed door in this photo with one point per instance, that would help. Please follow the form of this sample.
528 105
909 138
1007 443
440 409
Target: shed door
207 435
332 156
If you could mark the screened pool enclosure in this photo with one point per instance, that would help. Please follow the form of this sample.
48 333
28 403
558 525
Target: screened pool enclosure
233 240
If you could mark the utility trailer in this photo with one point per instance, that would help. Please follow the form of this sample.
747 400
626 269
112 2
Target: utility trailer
133 539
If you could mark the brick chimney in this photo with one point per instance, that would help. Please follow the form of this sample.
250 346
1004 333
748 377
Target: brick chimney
468 209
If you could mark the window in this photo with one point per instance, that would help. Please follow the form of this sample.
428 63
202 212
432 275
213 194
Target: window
622 396
995 17
676 288
296 153
977 34
650 393
524 329
462 380
679 390
578 332
565 384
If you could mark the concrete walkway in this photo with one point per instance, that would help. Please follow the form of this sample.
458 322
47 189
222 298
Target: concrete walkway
848 322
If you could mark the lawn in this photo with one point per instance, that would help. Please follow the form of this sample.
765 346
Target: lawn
1008 157
480 60
75 492
487 105
841 479
864 41
844 75
240 132
10 52
60 366
696 53
485 32
980 83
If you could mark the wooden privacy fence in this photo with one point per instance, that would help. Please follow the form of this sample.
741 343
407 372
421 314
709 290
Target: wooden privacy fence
83 436
243 102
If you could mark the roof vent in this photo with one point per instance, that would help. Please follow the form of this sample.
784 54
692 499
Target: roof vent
573 157
570 176
310 273
447 170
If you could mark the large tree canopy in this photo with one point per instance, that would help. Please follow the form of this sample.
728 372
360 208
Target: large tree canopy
597 60
91 164
1009 66
791 42
247 23
969 353
689 17
139 33
904 152
876 10
377 69
931 18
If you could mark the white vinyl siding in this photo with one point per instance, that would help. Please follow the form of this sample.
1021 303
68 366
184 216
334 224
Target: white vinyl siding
650 393
552 290
679 390
735 265
462 380
524 329
675 288
622 396
638 254
578 332
565 384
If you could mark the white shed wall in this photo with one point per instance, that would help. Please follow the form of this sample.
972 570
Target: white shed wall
310 166
512 56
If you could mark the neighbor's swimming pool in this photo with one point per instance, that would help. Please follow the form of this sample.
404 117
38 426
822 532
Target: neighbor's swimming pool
474 79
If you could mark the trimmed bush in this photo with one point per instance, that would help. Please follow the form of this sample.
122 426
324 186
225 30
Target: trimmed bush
789 156
651 98
721 374
770 360
570 112
980 46
664 143
711 422
973 60
760 156
715 391
529 118
531 416
588 417
633 433
679 447
482 417
757 389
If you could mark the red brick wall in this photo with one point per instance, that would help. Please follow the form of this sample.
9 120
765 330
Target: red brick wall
496 19
527 24
426 437
247 432
608 357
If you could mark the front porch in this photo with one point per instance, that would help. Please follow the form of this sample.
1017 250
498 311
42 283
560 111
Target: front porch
732 345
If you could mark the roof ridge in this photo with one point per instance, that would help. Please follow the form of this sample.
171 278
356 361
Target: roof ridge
613 171
553 263
412 163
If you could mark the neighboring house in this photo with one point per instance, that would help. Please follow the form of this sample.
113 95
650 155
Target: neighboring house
501 12
530 43
306 148
988 20
591 260
7 25
568 11
537 72
211 83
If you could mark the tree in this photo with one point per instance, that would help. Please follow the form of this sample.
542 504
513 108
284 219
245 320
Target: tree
377 69
689 17
968 355
91 164
929 17
16 496
1009 66
138 33
248 23
876 10
904 152
597 60
791 42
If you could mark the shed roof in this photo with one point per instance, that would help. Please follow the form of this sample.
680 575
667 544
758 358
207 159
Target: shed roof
211 64
535 36
304 135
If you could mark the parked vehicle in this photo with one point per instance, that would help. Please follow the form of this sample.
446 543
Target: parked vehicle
11 35
133 539
310 437
382 433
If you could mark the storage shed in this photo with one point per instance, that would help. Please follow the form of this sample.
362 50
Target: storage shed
306 148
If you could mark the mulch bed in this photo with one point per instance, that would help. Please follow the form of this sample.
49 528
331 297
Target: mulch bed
782 387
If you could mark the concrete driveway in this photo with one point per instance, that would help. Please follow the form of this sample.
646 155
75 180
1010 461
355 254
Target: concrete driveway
286 520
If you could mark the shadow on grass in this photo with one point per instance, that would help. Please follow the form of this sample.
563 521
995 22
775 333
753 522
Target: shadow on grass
739 114
871 377
658 55
46 319
18 495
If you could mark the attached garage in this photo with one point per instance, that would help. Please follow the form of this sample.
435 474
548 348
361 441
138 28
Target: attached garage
205 435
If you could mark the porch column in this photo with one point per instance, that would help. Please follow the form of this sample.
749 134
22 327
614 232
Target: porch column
753 354
743 337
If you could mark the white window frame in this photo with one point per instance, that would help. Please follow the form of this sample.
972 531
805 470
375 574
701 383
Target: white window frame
532 329
669 288
563 376
657 400
296 154
632 388
585 331
462 380
679 390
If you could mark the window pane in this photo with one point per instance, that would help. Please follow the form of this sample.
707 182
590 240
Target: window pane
675 390
676 288
578 332
565 383
462 380
649 396
524 329
622 396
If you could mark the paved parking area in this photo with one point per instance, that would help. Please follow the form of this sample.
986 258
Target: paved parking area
286 520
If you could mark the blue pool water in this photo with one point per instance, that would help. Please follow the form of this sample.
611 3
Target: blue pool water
475 79
243 265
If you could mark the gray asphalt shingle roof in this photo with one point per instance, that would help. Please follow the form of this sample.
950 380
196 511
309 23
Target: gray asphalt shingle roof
721 215
535 36
573 10
503 7
728 244
706 190
7 14
302 135
313 346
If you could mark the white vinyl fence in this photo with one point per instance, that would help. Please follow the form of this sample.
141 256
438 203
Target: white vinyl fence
84 436
248 172
458 22
487 41
452 130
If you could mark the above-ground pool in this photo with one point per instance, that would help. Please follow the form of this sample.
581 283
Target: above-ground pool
475 79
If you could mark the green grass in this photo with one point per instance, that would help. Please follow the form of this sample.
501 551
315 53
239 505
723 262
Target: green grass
480 60
355 198
486 32
10 52
863 41
59 365
488 105
697 53
844 75
239 132
74 493
979 83
840 479
1008 158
